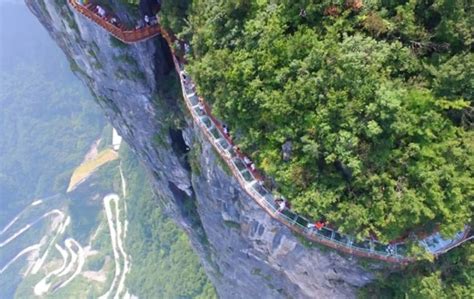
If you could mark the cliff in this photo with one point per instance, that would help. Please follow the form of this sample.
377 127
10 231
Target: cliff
245 252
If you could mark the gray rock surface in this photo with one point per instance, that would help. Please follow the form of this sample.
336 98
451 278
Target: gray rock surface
245 253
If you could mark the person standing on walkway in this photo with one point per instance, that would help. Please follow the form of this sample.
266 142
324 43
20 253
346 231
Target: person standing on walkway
100 11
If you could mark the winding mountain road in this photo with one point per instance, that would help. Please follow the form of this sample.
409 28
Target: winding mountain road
117 231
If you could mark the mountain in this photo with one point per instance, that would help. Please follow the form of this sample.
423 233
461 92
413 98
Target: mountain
243 251
78 216
246 250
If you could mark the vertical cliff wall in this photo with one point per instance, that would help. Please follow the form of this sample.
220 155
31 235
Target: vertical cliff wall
245 253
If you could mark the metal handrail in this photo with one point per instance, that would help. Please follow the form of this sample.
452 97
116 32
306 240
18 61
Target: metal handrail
125 35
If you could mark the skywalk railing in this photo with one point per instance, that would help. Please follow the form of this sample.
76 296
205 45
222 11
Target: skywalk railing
327 236
264 197
125 35
250 180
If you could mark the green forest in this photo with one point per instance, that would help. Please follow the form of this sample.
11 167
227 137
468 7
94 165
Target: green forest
451 276
375 99
164 265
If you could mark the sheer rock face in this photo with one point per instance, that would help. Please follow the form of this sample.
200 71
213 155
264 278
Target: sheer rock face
245 253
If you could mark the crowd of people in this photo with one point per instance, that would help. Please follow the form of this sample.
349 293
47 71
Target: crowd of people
101 12
148 10
147 21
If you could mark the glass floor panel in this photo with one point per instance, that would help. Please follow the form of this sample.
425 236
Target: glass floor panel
199 111
215 133
207 121
302 221
239 164
325 232
247 176
225 145
380 247
260 190
362 244
289 214
231 152
193 99
401 249
340 237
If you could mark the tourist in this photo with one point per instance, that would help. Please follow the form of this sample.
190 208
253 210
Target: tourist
281 203
236 149
185 78
252 167
225 130
247 161
100 11
390 249
147 20
282 206
201 107
320 224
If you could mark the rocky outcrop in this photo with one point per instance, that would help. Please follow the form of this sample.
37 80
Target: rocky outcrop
246 253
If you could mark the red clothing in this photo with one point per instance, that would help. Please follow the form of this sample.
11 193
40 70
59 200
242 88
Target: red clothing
319 225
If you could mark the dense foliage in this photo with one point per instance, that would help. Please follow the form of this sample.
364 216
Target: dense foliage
375 98
452 276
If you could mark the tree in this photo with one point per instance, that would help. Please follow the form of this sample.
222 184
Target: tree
364 129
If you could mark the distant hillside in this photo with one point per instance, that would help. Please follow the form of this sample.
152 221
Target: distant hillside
74 244
47 118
